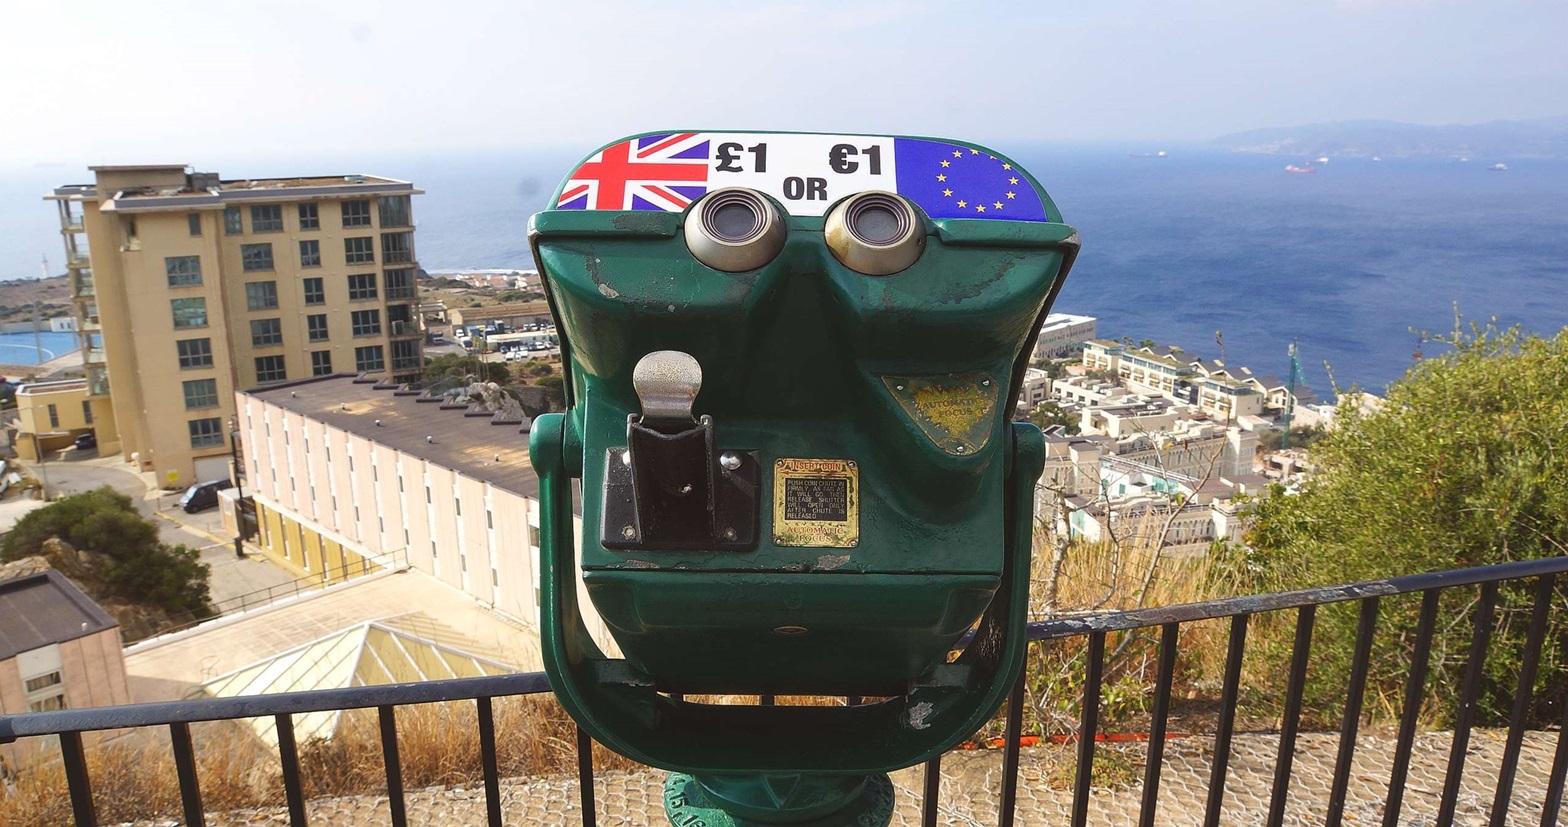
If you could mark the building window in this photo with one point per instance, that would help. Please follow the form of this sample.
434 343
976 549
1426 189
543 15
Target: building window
359 250
266 218
193 220
310 253
232 224
309 219
366 322
397 248
362 286
261 295
201 393
356 214
317 325
46 692
206 433
321 365
394 210
189 313
270 369
54 417
195 353
266 332
183 271
369 359
400 283
256 257
87 411
315 291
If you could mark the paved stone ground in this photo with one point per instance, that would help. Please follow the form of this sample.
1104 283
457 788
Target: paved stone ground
971 788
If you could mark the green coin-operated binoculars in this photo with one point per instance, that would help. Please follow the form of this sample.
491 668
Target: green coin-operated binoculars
793 361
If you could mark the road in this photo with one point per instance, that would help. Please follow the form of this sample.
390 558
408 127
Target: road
230 576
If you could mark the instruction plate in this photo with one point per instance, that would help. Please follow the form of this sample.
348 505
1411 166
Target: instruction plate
816 502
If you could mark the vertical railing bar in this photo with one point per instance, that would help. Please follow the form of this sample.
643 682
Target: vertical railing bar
394 765
853 700
1534 640
487 758
76 779
1554 781
1010 744
765 700
585 791
1415 687
288 754
929 802
1169 635
1228 697
1475 669
1350 726
1302 648
1088 728
185 768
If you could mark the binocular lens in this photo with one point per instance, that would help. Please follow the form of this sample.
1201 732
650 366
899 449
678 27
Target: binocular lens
733 221
876 224
734 230
875 233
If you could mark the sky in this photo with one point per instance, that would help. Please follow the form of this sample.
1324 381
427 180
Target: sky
158 80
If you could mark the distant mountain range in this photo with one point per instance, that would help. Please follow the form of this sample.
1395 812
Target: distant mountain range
1537 137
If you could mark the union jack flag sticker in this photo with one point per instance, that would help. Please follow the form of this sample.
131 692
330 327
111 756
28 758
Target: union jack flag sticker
654 172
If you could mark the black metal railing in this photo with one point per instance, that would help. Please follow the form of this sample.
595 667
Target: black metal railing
68 725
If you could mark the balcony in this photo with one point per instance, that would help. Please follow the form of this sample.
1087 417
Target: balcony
396 292
400 327
405 363
93 356
1219 766
72 224
76 259
98 381
82 285
90 324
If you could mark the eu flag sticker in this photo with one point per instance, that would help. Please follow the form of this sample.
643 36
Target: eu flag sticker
950 181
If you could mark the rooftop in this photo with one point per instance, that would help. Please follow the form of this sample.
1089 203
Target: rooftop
44 608
481 447
168 668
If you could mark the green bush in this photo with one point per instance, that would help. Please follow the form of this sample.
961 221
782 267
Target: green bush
138 566
1465 464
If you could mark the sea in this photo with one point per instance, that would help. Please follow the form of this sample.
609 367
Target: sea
1223 254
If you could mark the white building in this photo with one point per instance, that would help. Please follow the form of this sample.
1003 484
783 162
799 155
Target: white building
1063 334
345 472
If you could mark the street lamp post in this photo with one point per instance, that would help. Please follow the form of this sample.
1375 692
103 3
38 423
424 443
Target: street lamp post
239 495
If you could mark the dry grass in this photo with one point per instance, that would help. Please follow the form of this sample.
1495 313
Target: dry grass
133 776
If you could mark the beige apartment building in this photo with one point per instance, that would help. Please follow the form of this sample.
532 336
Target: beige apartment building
190 287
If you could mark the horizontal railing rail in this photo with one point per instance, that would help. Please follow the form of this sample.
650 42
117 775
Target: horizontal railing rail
266 597
1094 629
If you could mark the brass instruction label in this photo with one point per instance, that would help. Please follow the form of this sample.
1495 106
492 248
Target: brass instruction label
954 411
816 502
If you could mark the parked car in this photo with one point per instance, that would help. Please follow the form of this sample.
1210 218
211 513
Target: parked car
203 495
87 441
